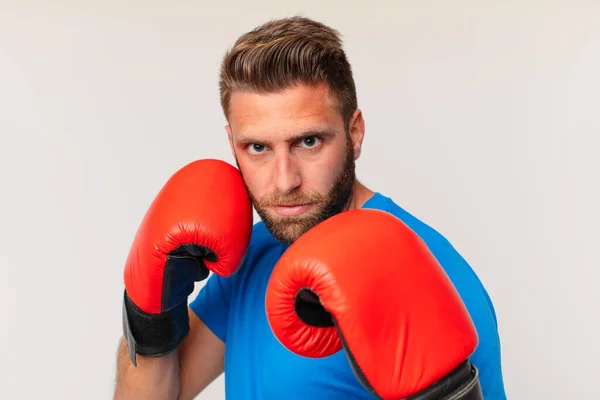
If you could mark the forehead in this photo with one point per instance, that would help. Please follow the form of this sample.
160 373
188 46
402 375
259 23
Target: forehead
300 107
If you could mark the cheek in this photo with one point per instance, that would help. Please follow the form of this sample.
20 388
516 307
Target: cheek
319 174
256 177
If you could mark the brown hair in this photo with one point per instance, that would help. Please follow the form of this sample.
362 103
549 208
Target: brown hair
285 52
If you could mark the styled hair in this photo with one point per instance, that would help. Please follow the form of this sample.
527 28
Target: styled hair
285 52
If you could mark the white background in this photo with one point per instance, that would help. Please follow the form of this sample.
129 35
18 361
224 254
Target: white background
482 119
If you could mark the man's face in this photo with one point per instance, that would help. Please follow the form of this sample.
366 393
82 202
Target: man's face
295 156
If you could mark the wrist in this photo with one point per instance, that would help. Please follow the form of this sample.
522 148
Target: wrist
153 335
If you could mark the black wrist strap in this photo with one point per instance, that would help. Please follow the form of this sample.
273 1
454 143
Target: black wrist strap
153 335
460 384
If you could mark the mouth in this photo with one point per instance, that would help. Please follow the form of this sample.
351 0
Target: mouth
291 210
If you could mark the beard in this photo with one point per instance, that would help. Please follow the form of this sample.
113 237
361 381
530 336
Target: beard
287 229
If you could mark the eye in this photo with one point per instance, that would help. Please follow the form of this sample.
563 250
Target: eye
309 141
256 148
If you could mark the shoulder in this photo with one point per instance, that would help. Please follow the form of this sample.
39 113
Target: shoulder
437 243
462 275
470 288
447 255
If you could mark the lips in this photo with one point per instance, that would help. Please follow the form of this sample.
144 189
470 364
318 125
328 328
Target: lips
290 210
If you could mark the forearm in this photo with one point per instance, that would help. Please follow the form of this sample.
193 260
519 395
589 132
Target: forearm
153 378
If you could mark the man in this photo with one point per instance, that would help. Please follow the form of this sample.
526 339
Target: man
295 131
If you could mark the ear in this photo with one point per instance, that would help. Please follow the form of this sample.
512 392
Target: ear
357 132
230 137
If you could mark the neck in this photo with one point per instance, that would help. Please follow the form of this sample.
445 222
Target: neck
360 195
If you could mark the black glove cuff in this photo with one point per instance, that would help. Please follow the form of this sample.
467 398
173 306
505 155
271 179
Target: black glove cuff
153 335
460 384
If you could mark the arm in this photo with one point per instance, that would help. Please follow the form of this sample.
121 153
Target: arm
201 358
180 375
166 353
153 378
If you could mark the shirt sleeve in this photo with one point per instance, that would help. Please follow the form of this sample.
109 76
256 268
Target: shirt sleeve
212 304
487 357
488 362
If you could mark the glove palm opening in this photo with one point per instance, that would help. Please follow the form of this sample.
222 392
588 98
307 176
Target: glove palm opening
309 309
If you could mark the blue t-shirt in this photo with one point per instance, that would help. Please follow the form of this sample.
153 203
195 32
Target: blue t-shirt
258 367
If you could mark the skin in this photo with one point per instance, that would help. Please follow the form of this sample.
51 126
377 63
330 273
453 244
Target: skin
180 375
292 175
294 154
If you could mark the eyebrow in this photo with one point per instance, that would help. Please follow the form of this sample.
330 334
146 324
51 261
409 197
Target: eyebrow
322 133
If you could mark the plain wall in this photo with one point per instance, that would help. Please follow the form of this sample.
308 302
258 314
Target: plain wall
482 119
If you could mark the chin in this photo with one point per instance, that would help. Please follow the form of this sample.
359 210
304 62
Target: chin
289 229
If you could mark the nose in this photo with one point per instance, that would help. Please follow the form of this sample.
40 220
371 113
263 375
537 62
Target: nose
287 174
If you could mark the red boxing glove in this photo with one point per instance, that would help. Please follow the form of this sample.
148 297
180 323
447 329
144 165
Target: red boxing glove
365 282
201 220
